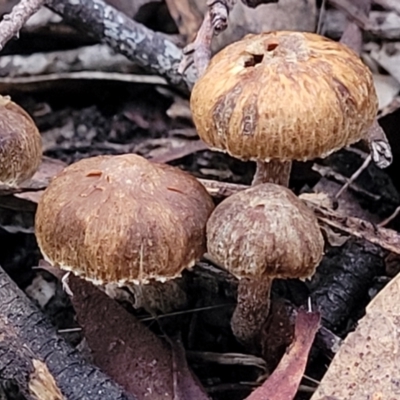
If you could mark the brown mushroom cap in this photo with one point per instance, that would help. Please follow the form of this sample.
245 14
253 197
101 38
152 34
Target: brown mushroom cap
265 231
285 96
20 144
120 219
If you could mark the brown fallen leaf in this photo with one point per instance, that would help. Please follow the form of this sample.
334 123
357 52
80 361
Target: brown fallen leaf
367 364
182 149
127 351
186 16
283 383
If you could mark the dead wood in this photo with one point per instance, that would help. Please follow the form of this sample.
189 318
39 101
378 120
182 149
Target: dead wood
88 58
43 366
342 280
148 49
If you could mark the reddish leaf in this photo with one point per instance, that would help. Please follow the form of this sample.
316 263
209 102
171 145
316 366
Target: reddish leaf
285 380
129 352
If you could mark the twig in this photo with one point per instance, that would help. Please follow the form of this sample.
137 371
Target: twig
353 178
352 11
13 22
390 218
215 21
148 49
377 141
198 52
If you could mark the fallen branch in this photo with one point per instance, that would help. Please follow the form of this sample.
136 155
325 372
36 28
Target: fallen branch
40 362
89 58
148 49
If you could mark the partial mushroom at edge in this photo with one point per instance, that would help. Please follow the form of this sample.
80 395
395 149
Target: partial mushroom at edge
20 144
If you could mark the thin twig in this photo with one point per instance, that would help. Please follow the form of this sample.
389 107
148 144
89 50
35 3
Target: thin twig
13 22
354 177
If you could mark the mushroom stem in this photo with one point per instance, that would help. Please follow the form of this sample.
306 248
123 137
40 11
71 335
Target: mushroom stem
252 310
274 171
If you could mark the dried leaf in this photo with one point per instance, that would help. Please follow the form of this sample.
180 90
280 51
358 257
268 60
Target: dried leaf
334 239
49 168
127 351
388 57
178 148
367 364
387 89
285 380
186 16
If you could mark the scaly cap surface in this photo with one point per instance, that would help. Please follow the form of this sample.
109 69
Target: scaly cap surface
284 95
265 231
118 219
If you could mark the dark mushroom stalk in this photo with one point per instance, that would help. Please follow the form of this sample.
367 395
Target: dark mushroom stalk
259 234
123 221
277 97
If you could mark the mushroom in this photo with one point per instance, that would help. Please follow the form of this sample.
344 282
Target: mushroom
20 144
281 96
123 221
259 234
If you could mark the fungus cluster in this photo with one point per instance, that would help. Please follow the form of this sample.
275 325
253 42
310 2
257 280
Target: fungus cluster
123 220
20 144
273 98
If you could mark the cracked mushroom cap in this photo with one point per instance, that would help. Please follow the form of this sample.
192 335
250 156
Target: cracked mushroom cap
285 96
122 219
265 231
20 144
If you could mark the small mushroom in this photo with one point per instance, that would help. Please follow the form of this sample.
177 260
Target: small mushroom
123 221
281 96
259 234
20 144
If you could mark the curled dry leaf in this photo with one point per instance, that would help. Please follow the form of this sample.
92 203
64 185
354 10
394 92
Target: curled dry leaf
285 380
387 89
367 364
388 57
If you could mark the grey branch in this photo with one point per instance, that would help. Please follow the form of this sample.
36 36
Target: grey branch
146 48
13 22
